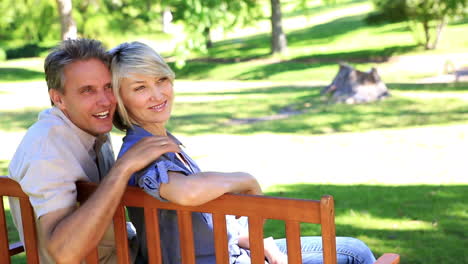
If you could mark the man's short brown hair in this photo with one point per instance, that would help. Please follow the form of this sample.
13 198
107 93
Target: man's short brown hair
67 52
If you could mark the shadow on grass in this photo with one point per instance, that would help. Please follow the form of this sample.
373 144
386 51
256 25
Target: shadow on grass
429 87
195 70
361 56
254 47
19 74
423 223
18 120
318 116
314 10
242 48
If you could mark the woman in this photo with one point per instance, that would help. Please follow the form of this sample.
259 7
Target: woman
143 86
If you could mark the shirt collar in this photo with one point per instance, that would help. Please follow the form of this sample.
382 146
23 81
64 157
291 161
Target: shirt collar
138 132
86 139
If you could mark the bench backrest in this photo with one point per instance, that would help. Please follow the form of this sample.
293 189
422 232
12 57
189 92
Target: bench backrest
256 208
11 188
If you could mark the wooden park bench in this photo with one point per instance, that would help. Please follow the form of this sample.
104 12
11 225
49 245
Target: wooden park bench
257 208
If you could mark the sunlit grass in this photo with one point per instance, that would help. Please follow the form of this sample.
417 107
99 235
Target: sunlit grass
410 220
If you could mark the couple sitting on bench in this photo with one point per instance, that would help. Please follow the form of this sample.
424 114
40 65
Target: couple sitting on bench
130 86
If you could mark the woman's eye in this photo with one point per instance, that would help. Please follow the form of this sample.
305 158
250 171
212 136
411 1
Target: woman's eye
140 88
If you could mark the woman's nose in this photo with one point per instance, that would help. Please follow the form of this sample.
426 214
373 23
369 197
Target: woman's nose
156 94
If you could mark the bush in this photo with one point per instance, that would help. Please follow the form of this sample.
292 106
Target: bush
26 51
388 11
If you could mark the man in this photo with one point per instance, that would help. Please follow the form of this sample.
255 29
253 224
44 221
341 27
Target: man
70 142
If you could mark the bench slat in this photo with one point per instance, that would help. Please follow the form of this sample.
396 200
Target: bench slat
4 247
29 229
293 240
153 236
220 238
228 204
187 250
327 208
256 239
120 231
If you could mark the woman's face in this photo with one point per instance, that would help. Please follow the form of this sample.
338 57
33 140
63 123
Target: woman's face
148 99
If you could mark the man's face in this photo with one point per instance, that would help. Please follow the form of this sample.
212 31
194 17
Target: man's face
87 100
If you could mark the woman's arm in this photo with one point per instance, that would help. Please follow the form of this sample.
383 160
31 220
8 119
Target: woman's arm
202 187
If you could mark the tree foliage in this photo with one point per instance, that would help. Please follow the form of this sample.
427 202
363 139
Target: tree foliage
432 16
30 20
428 17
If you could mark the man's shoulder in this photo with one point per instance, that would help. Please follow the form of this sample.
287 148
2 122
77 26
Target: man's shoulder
45 137
48 128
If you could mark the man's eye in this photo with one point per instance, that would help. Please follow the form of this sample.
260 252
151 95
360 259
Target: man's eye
163 79
86 90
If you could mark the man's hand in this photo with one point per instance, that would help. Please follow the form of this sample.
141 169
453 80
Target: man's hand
145 151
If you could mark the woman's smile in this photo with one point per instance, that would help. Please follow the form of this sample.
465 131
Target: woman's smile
159 108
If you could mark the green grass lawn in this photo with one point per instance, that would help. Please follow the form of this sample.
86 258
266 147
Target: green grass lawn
406 108
423 223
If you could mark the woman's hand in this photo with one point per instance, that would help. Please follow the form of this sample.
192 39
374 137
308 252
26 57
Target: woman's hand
272 252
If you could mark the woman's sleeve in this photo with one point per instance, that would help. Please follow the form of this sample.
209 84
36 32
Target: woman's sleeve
151 178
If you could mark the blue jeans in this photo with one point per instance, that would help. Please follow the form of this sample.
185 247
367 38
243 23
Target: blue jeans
348 251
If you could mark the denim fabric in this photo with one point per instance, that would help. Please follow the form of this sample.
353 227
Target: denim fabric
349 251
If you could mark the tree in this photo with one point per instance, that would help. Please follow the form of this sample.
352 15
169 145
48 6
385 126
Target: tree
67 23
30 20
432 16
426 16
279 43
201 17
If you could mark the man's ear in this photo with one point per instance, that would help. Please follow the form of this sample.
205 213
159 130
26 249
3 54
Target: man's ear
56 97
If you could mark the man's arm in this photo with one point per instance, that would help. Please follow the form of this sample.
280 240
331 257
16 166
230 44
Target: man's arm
202 187
72 232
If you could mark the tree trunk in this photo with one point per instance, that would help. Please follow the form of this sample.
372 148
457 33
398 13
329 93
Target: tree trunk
209 42
440 27
427 34
278 38
69 30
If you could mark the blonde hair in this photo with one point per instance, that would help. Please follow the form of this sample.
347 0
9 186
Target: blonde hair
128 59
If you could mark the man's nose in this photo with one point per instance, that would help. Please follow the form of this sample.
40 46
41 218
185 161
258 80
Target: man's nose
106 98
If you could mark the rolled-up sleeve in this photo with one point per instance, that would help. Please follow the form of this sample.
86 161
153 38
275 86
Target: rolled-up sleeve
151 178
